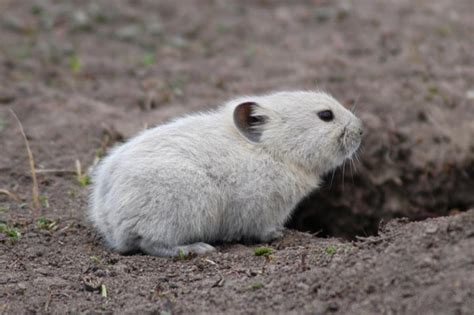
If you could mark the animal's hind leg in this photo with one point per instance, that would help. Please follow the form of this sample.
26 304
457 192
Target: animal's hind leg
158 249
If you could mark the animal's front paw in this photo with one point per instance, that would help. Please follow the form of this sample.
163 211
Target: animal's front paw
271 235
196 248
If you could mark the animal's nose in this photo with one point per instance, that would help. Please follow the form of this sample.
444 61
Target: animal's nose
360 128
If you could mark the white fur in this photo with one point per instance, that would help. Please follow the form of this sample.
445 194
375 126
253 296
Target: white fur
176 187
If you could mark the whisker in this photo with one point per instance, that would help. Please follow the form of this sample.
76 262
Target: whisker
354 106
351 167
356 156
343 173
332 178
354 162
355 165
334 170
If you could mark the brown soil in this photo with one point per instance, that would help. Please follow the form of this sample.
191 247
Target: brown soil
83 75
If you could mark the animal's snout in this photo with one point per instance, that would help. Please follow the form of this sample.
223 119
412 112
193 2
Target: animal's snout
355 129
361 130
358 128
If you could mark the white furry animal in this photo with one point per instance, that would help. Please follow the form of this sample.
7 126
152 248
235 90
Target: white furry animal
233 174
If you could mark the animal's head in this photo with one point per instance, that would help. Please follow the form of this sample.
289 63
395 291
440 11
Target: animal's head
310 129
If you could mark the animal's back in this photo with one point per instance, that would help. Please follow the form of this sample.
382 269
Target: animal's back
184 174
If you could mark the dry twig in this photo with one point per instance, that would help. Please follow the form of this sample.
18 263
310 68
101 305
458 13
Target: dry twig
35 189
55 171
78 169
10 194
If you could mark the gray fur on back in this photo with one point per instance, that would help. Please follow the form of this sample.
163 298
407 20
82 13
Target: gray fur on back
199 179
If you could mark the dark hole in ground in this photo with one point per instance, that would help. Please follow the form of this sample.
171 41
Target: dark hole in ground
331 211
327 220
357 206
316 215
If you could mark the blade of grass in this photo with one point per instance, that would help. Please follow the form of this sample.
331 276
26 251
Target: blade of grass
35 189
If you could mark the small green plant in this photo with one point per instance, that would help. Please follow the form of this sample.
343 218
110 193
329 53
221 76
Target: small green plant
257 286
262 251
9 231
21 53
72 193
46 224
222 29
44 201
182 255
331 250
37 10
99 153
444 30
148 59
75 64
84 180
4 208
96 260
432 91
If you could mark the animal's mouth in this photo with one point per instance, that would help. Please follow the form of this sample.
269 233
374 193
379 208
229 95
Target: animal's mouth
350 141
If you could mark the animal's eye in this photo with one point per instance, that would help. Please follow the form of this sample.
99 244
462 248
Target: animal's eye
326 115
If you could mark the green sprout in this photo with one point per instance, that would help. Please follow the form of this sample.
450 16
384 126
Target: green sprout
44 201
75 63
263 251
257 286
4 208
182 255
331 250
46 224
148 59
84 180
9 231
96 260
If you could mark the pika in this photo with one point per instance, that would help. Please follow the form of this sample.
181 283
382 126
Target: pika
232 174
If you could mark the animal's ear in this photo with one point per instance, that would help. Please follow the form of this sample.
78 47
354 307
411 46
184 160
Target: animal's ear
248 121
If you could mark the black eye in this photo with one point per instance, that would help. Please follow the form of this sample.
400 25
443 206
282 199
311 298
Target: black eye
326 115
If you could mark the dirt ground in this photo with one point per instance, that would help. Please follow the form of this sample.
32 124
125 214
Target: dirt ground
83 75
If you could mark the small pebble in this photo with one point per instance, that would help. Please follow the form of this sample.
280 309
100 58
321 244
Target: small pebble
470 95
431 228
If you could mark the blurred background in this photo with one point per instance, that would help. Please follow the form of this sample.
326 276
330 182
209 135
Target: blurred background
82 75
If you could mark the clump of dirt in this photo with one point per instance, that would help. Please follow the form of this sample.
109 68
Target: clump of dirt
82 76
